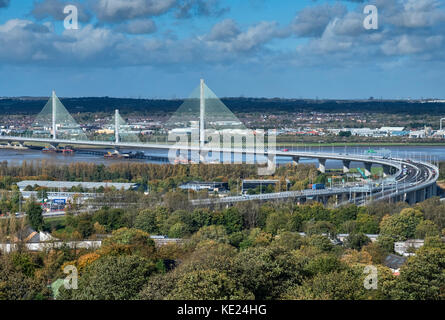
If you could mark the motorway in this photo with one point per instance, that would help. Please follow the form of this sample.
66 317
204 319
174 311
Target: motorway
418 175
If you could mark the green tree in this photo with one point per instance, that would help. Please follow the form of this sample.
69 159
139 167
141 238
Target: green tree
147 220
84 225
129 241
208 285
401 226
111 219
178 230
114 278
422 277
356 241
426 228
323 263
320 242
34 215
216 233
278 221
337 285
267 271
232 219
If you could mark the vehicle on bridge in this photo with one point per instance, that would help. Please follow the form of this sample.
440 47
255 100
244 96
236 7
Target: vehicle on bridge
318 186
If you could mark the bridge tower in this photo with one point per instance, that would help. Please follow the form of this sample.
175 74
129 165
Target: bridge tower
54 115
116 126
202 108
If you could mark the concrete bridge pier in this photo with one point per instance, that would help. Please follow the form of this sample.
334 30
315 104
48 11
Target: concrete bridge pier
386 171
346 165
295 160
322 165
411 198
202 158
421 195
368 166
324 200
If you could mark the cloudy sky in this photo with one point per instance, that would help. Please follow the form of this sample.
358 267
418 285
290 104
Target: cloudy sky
260 48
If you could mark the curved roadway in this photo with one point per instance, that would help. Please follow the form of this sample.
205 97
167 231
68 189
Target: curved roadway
417 175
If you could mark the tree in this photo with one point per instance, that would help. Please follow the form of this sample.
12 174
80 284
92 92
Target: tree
34 215
376 252
42 194
159 286
278 221
367 224
320 227
15 284
114 278
111 219
146 221
208 285
356 241
426 228
344 134
401 226
267 271
232 220
84 225
176 200
256 238
216 233
320 242
128 241
323 263
337 285
422 277
288 240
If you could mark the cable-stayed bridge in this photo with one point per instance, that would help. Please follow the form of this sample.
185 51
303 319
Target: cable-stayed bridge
204 130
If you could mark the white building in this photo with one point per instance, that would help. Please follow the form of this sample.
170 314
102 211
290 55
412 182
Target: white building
407 248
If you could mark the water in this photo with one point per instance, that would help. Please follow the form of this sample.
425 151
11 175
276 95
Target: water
417 152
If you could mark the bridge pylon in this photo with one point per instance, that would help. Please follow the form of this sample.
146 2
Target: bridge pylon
55 122
54 114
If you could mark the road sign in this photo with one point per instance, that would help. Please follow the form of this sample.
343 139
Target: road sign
59 201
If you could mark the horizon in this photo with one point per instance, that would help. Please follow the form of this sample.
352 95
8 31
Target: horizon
375 99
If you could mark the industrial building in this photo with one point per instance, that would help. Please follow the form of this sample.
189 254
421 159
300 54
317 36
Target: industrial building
210 186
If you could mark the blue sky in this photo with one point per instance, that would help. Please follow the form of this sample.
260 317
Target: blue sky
258 48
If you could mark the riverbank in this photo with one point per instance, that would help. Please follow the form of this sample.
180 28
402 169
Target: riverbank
360 144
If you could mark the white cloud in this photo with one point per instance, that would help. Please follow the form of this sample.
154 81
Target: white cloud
140 26
54 9
120 10
223 30
312 21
